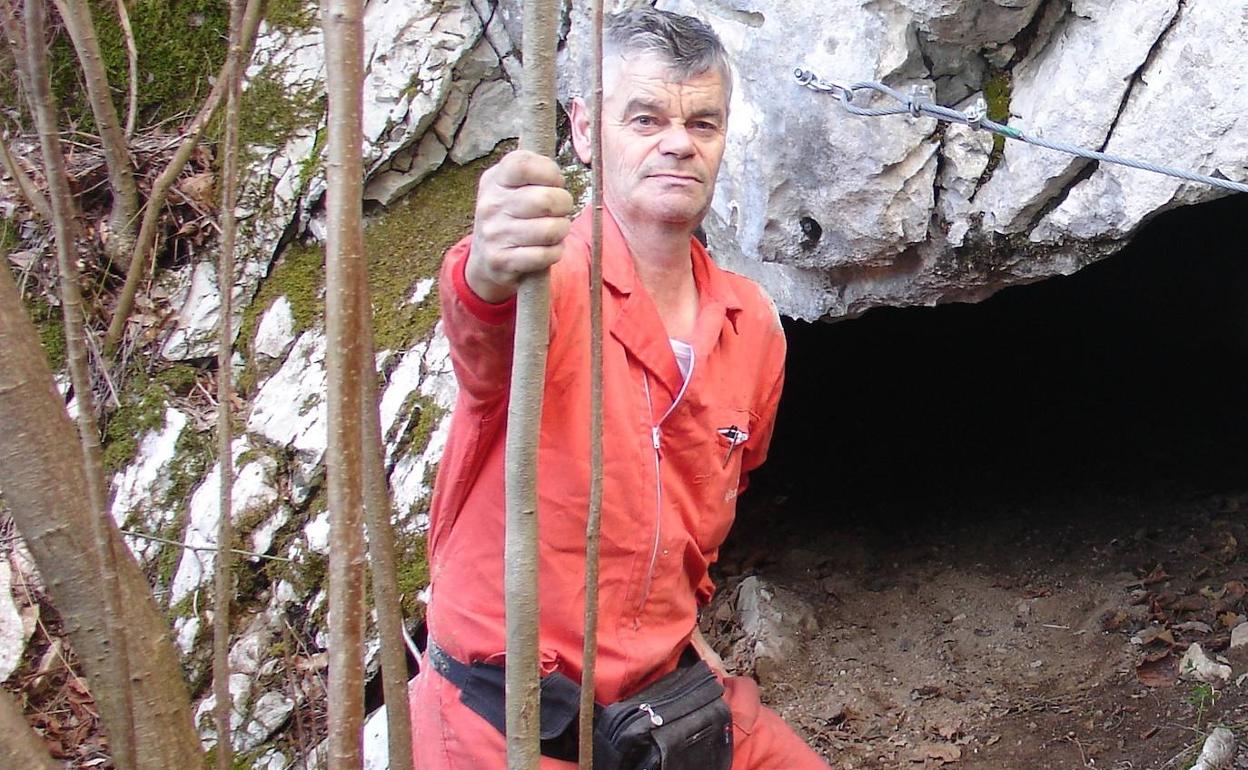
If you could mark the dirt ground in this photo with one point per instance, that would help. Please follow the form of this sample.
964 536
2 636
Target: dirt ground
1009 638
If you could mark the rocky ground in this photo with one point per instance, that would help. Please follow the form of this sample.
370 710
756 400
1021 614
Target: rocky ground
1043 636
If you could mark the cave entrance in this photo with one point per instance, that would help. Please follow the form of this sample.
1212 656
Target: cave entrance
988 511
1130 376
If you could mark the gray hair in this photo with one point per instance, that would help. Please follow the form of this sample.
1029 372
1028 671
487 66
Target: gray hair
688 44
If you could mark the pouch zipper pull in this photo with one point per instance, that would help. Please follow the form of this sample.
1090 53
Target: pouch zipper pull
655 718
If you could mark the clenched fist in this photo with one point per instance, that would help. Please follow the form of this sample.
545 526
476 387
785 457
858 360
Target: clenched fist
521 221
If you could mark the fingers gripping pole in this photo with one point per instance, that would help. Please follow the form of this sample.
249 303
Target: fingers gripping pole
524 415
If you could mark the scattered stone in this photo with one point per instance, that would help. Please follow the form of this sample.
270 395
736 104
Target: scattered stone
13 635
773 621
1197 666
276 332
1239 636
1219 751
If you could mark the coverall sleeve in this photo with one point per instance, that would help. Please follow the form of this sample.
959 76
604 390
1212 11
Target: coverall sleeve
481 333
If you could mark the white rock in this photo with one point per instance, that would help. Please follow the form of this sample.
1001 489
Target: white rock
139 487
269 712
262 536
316 532
1218 752
276 331
1116 200
1115 34
404 381
1196 665
376 735
773 621
253 490
289 409
1239 636
424 287
198 306
407 169
12 632
187 631
493 116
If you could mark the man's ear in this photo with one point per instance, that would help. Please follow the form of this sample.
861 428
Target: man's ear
580 131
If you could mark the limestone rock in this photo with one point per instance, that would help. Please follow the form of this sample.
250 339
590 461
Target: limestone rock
12 633
1199 667
773 621
493 115
276 331
199 309
139 490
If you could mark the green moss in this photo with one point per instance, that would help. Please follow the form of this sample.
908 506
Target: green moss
291 15
141 410
406 244
270 112
425 416
413 573
51 325
181 43
997 91
8 237
299 276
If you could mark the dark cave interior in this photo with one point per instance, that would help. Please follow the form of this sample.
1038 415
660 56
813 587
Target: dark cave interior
1128 378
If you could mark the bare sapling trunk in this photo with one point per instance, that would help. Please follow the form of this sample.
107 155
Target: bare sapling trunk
381 557
25 184
76 15
132 59
145 243
593 526
223 590
343 24
45 485
114 664
19 746
524 416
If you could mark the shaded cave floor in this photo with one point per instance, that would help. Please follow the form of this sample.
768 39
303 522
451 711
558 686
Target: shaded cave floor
986 503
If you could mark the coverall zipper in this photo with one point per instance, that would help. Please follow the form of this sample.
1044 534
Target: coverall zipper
656 443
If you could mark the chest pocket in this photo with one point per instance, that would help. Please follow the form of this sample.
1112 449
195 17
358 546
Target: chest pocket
726 433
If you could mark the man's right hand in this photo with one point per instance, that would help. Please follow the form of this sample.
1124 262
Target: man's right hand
521 221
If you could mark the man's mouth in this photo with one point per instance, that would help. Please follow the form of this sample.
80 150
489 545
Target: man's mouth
675 178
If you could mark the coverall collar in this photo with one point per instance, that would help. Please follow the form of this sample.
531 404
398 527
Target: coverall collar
638 326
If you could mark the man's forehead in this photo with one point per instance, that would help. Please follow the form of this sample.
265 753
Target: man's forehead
650 78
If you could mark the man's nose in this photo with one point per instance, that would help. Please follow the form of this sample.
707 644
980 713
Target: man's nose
676 141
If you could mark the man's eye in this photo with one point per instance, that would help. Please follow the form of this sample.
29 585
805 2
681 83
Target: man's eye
646 121
705 126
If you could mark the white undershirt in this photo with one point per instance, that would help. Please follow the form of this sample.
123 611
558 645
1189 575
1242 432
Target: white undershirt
684 356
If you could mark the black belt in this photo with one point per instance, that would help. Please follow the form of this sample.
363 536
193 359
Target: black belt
482 689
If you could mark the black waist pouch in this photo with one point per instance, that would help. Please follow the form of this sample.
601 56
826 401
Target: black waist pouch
680 722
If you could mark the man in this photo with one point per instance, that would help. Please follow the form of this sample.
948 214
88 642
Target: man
693 365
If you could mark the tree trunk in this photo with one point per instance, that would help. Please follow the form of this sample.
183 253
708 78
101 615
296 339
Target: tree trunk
342 21
385 581
524 416
223 590
117 705
593 525
19 746
76 15
146 241
46 487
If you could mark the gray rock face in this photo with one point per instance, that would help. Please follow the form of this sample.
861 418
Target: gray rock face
774 621
835 214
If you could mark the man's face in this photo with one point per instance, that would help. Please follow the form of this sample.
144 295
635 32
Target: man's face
662 141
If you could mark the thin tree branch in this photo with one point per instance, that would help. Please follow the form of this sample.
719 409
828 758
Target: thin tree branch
343 25
593 524
16 37
212 548
385 583
19 746
223 591
132 57
76 15
25 184
121 718
524 416
146 240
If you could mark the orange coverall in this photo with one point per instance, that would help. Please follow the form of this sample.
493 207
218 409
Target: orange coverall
675 458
